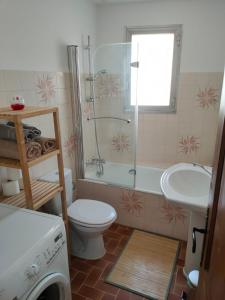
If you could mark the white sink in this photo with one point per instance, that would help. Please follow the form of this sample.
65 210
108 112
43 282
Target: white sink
187 184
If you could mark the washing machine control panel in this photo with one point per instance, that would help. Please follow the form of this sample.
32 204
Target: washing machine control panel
45 258
52 251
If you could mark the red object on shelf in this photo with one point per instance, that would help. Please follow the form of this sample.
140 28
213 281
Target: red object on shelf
17 106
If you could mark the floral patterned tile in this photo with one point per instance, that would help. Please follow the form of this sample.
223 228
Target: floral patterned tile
46 88
208 98
189 144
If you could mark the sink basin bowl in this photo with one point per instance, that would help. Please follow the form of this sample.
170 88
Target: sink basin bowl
187 184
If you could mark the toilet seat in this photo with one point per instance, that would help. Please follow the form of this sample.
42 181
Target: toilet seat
91 213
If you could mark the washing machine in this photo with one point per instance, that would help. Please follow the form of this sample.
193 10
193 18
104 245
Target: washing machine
33 256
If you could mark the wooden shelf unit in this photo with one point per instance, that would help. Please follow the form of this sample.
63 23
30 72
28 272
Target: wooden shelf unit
36 193
14 163
42 192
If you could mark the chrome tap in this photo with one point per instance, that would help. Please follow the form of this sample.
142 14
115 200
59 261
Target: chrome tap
95 161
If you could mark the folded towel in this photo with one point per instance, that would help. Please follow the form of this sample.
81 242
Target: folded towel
8 132
9 149
33 130
47 144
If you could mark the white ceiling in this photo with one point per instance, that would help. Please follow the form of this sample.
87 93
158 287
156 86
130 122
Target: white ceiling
120 1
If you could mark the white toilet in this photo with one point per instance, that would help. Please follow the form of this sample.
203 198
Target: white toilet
88 219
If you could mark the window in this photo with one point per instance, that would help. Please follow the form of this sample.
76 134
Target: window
155 57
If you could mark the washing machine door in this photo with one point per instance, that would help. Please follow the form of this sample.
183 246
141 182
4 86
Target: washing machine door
53 287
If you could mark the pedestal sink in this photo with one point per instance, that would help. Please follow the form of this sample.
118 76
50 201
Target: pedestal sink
188 185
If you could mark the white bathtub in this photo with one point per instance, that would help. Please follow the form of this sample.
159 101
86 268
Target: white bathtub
147 178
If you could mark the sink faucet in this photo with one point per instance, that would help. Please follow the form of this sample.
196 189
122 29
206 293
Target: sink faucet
203 167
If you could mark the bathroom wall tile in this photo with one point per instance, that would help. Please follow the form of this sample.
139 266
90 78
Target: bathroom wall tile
30 97
27 80
140 210
170 151
12 81
43 168
45 87
158 137
63 96
62 80
5 98
2 81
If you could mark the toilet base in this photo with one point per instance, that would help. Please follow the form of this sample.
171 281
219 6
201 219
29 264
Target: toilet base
88 247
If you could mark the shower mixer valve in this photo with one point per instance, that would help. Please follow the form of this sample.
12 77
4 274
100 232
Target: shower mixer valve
95 161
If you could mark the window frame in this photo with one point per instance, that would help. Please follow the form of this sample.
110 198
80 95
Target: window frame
177 31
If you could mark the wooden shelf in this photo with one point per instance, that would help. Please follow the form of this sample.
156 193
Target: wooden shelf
28 112
14 163
36 193
42 158
10 163
42 192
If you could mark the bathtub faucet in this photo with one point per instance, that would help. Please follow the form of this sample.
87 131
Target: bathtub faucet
95 161
203 167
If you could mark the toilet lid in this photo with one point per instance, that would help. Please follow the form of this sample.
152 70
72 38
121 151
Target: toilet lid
91 212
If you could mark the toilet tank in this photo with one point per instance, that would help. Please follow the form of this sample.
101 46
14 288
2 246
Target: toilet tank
54 205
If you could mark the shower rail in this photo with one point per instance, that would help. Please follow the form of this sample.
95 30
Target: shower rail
112 118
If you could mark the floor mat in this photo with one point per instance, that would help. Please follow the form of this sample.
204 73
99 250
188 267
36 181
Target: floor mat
146 265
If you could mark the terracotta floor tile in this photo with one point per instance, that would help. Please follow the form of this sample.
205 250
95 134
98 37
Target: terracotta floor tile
136 297
125 231
123 295
123 242
112 245
73 272
77 297
107 288
90 292
118 251
107 270
110 257
108 297
106 239
183 246
81 266
99 263
114 227
87 275
93 277
78 281
173 297
114 235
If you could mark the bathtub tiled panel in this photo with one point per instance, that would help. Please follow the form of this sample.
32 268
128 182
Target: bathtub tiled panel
136 209
43 89
163 139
